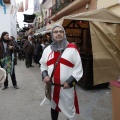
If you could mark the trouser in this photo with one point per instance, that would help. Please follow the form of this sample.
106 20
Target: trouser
28 59
35 59
13 78
15 60
54 114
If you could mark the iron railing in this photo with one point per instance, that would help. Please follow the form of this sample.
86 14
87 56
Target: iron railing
59 5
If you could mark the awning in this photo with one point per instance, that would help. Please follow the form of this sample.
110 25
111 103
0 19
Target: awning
100 15
45 32
36 33
49 27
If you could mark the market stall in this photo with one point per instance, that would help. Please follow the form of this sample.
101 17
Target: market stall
97 35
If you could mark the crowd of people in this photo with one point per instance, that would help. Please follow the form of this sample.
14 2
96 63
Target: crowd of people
31 48
7 50
28 48
55 56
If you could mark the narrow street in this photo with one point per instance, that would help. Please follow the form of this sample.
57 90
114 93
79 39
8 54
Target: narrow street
24 103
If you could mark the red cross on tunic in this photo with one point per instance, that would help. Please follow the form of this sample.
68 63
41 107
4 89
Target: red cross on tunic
57 75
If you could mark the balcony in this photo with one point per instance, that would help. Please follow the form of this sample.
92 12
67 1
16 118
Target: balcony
65 7
46 21
60 5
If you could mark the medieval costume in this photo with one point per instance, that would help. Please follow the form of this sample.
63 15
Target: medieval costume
69 69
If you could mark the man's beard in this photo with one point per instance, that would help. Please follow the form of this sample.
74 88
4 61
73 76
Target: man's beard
6 41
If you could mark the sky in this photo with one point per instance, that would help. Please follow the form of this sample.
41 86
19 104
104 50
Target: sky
20 16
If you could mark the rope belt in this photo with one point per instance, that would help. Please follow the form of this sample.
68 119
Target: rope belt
57 84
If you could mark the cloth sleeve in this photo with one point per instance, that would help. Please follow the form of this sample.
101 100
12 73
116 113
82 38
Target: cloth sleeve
42 61
71 81
77 69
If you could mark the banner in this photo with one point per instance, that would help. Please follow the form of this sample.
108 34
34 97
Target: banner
21 7
26 4
29 18
15 10
12 9
36 6
4 7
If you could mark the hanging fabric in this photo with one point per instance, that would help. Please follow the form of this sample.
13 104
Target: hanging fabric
4 7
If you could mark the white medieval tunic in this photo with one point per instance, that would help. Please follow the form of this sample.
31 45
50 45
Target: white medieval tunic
64 100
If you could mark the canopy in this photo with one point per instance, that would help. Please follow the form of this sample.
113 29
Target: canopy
100 15
104 27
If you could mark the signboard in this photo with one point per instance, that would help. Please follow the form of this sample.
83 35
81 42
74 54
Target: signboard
29 18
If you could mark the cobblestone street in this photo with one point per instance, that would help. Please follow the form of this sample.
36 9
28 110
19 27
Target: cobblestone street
24 103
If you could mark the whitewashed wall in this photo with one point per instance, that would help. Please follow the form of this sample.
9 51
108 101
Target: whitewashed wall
8 21
13 20
4 20
46 7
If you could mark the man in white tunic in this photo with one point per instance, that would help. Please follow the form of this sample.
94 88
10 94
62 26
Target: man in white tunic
67 73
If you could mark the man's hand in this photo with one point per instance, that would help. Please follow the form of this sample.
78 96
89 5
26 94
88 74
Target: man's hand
46 79
10 47
66 85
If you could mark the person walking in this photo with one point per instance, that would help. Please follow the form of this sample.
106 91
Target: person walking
39 51
66 75
7 49
29 50
15 45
